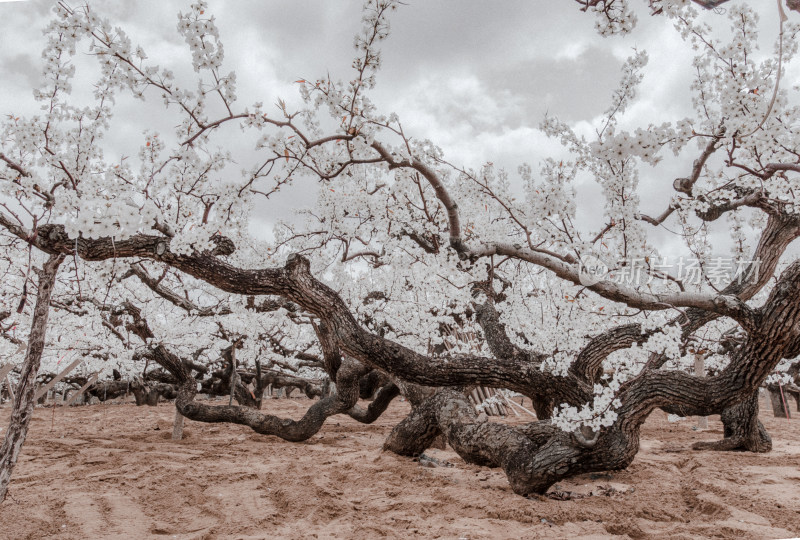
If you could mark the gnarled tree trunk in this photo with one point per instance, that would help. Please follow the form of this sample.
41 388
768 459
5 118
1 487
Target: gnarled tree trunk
347 372
535 459
743 429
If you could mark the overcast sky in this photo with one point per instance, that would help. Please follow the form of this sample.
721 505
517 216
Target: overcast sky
476 77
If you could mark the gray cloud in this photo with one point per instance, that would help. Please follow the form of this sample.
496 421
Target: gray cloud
475 77
23 68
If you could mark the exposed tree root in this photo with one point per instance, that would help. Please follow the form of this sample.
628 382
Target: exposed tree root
344 400
382 398
533 457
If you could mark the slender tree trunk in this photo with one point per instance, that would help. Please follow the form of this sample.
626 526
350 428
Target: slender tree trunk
24 398
177 426
258 386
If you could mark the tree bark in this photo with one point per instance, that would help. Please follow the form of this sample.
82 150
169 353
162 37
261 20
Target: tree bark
532 463
24 399
177 426
742 429
382 398
146 393
233 379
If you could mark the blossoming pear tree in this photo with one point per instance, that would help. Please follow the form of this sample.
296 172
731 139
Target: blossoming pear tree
420 274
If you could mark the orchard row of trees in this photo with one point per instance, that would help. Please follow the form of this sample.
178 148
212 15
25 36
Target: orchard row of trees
410 275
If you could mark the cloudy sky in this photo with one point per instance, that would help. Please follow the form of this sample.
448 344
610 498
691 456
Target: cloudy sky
476 77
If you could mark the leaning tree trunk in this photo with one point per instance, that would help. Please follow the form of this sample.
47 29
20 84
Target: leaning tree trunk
742 429
24 398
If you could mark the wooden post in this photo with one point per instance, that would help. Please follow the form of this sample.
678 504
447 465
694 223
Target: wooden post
10 388
476 399
700 371
485 393
509 407
514 403
481 399
177 426
74 397
498 406
778 401
4 371
22 411
501 406
43 390
234 378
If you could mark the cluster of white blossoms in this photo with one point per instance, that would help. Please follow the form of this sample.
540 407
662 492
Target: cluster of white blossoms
596 415
781 379
100 218
613 17
553 197
667 341
620 366
169 188
202 36
558 363
191 239
642 143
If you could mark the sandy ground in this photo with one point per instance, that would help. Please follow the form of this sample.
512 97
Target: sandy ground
111 471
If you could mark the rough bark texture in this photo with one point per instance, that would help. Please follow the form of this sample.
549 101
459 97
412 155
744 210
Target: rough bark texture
780 231
533 464
743 430
24 399
106 390
177 426
381 400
